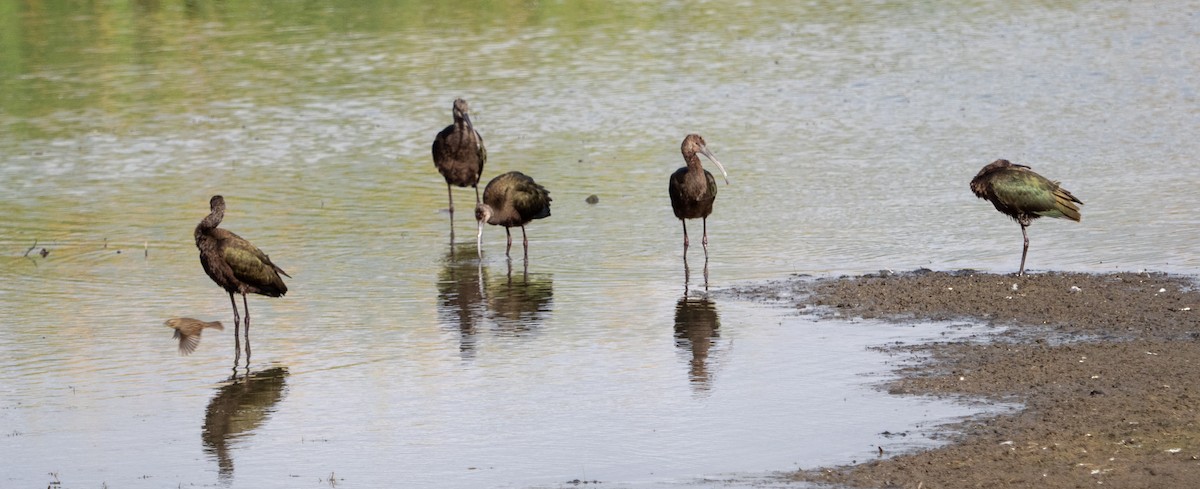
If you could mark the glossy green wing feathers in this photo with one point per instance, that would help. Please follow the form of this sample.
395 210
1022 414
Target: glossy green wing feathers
1023 194
531 200
516 199
251 266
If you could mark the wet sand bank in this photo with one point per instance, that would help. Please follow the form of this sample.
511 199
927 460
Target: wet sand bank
1106 367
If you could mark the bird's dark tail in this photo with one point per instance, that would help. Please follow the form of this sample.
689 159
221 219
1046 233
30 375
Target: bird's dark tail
1065 203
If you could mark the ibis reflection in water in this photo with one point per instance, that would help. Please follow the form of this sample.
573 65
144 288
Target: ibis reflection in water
237 266
236 410
693 189
511 199
521 302
187 331
697 327
1023 195
472 303
459 155
460 298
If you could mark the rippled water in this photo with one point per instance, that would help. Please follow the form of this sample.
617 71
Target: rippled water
850 132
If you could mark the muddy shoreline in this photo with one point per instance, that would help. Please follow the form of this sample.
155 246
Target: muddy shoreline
1106 367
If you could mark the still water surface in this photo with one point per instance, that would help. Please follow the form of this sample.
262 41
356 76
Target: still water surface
397 358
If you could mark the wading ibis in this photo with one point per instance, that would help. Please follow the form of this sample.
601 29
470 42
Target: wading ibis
459 155
693 189
511 199
237 266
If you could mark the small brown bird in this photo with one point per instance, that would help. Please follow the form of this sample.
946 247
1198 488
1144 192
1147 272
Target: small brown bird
187 331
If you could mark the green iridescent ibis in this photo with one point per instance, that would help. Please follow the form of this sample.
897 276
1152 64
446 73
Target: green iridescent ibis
1023 195
693 189
237 266
511 199
459 155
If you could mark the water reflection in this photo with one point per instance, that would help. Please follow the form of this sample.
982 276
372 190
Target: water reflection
470 302
517 304
461 297
237 410
697 326
687 274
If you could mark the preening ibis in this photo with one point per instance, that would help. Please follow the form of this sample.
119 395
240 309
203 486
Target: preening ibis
1023 195
237 266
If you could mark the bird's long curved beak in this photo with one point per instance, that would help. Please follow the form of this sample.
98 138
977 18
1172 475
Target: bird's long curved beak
479 238
708 154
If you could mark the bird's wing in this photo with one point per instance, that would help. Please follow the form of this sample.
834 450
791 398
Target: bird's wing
1025 190
439 145
482 153
248 263
530 200
675 185
187 342
712 184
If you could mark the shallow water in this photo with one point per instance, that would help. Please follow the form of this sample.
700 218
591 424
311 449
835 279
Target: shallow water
850 133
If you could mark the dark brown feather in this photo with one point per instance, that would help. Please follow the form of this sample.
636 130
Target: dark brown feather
1019 192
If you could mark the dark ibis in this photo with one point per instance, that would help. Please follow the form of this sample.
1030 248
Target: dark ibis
459 155
237 266
693 189
511 199
187 331
1023 195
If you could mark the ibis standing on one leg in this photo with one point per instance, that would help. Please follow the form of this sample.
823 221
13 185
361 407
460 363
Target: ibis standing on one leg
511 199
693 189
237 266
459 155
1023 195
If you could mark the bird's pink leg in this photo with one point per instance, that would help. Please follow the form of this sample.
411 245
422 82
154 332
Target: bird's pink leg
508 248
687 275
237 342
685 238
1024 250
525 241
450 194
247 308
